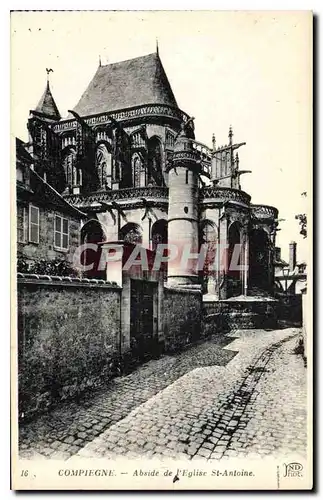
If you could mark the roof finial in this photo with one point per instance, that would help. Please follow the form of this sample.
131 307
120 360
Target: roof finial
213 142
100 64
157 49
49 70
230 135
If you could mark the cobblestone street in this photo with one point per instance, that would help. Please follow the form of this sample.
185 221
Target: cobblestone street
243 394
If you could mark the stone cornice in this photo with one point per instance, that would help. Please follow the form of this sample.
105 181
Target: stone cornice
264 212
123 115
127 197
210 194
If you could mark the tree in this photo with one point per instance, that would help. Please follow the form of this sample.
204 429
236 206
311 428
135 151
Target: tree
302 218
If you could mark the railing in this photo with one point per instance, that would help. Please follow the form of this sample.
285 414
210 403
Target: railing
204 151
264 212
186 155
126 114
118 195
205 156
226 194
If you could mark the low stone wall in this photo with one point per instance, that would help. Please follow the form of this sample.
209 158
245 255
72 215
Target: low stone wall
289 309
182 317
68 338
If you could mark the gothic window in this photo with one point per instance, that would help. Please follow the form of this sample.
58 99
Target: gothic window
223 165
131 233
138 172
170 140
228 165
104 166
69 167
155 161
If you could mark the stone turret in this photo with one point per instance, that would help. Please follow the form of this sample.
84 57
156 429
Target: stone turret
183 182
46 107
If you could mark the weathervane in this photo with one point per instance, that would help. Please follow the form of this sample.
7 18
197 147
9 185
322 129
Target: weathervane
49 70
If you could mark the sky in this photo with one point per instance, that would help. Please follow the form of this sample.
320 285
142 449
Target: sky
251 70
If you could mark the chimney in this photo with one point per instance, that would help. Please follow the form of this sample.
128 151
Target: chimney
292 255
277 254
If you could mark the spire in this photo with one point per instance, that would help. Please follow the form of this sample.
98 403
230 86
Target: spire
237 161
47 105
213 142
230 135
100 64
157 49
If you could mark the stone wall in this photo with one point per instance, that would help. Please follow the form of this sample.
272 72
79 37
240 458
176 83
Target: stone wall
68 339
289 310
226 315
182 317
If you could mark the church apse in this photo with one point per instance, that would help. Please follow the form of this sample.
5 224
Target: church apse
129 155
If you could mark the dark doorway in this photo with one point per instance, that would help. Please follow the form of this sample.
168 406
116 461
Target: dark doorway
92 232
234 277
259 259
143 342
159 236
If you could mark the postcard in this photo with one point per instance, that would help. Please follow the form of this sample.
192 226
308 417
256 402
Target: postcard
162 247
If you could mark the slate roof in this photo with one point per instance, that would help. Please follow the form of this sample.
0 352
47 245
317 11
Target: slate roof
127 84
47 105
22 154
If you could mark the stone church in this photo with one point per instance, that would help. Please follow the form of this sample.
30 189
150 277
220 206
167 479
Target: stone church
127 157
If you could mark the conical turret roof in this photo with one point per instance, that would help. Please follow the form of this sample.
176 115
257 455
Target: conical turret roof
47 105
127 84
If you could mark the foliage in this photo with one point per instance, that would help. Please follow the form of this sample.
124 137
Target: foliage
302 218
54 267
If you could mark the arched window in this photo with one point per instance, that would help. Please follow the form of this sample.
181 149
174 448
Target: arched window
155 174
92 232
131 233
159 233
69 159
138 172
104 166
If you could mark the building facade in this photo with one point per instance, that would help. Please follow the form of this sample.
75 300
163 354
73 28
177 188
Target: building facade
48 227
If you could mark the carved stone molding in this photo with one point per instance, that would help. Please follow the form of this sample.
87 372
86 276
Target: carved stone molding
224 194
153 193
264 212
124 115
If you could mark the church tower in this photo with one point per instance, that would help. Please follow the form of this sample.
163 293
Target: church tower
44 143
183 183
